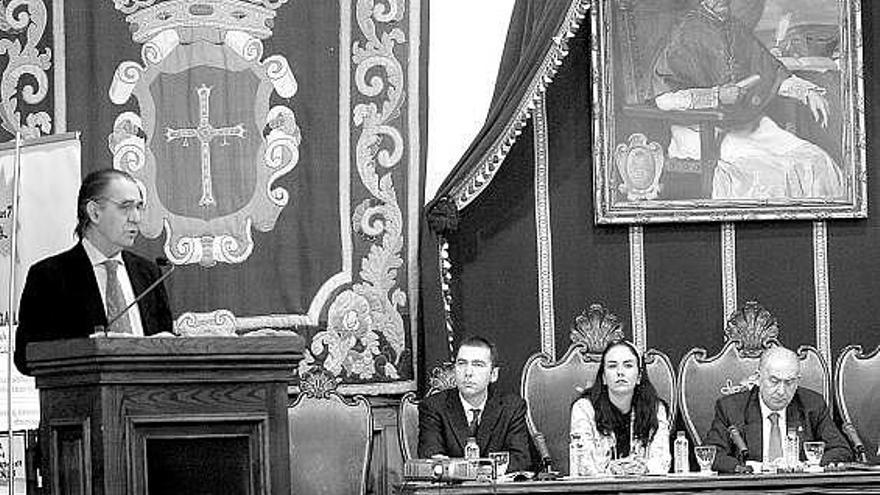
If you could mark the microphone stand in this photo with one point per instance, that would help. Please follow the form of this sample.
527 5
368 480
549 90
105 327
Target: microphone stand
742 450
10 303
852 434
545 472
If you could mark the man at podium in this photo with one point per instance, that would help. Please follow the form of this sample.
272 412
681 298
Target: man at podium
93 285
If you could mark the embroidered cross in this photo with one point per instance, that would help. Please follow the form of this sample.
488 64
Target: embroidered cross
205 133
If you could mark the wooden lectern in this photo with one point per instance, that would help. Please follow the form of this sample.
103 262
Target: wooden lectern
165 415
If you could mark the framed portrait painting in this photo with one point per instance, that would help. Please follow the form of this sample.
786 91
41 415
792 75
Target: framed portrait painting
727 110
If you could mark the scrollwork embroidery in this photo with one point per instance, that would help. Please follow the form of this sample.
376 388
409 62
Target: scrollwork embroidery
365 335
24 19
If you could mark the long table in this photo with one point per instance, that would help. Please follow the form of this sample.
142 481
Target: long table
848 482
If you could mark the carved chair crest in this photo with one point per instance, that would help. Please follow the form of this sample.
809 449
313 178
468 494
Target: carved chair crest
595 328
319 383
442 377
753 329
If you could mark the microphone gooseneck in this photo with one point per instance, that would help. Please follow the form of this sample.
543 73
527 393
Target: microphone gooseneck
849 430
546 470
739 442
161 261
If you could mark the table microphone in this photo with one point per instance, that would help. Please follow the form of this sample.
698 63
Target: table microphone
161 261
858 446
546 472
738 441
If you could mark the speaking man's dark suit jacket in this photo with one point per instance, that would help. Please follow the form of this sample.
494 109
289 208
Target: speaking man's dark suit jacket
443 428
61 300
743 409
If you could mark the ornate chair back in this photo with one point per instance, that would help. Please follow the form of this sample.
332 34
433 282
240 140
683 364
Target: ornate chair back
858 397
330 439
550 387
442 378
702 380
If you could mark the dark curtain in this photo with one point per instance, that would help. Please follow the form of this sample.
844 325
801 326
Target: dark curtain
533 24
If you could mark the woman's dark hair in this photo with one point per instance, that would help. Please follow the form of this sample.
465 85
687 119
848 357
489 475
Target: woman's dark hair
93 186
645 399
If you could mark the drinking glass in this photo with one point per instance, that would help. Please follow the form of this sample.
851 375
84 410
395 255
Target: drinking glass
813 452
501 460
705 457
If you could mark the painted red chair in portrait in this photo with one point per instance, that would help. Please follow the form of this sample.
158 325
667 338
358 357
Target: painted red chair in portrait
702 380
857 385
642 28
550 387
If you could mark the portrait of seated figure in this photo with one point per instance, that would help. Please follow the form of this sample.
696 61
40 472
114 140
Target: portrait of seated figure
755 62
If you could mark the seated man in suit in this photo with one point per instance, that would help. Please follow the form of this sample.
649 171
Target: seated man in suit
70 294
498 422
763 414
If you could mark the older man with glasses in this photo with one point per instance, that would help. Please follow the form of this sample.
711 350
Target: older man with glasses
761 416
71 294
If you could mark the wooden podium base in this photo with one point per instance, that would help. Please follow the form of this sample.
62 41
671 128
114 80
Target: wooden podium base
165 415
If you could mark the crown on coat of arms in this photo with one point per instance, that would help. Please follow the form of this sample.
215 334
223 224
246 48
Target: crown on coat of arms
150 17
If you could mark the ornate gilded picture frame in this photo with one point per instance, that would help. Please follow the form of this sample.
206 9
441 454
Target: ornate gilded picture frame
727 110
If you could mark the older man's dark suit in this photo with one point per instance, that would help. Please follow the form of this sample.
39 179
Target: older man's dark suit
61 300
743 409
443 427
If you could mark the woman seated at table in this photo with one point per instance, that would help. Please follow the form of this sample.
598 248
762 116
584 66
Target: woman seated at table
622 423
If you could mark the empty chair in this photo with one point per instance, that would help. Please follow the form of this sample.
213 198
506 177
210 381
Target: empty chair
330 439
858 399
442 378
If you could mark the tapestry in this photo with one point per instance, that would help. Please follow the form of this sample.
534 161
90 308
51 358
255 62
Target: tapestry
277 143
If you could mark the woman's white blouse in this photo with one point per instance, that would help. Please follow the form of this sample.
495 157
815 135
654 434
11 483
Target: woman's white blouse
655 455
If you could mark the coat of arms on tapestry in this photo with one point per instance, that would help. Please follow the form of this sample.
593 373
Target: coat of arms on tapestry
277 143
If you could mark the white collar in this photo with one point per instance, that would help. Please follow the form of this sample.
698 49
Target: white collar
96 257
467 406
766 411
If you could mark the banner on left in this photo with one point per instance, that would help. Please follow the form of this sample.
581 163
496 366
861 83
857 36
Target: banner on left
50 178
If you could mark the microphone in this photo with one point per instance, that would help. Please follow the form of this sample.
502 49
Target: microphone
858 446
161 261
546 471
738 441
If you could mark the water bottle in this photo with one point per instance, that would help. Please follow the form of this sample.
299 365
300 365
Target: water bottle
471 449
792 449
576 451
680 453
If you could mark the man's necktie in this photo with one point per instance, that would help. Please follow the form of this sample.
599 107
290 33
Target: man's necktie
475 421
774 448
115 302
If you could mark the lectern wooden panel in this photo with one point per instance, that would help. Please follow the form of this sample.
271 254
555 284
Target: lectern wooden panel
158 415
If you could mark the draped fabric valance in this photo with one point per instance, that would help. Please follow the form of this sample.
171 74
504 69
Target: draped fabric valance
537 43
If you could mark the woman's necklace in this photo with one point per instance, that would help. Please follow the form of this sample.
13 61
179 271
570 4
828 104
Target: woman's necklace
615 454
632 424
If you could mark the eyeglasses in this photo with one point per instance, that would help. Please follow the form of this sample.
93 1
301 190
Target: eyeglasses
128 206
